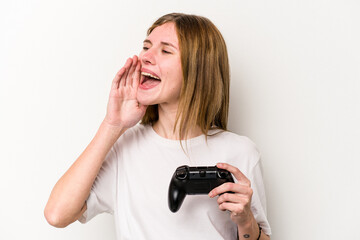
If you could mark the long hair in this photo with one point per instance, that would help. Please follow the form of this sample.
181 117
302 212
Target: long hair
204 96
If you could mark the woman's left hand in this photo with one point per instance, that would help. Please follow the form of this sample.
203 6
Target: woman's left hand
239 201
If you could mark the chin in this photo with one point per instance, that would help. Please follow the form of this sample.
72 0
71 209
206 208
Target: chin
144 100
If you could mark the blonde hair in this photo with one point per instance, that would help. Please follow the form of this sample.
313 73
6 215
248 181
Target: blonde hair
204 96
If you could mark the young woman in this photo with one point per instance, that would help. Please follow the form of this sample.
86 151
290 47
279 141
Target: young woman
179 88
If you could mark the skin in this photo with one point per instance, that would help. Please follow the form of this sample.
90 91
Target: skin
126 106
238 202
161 55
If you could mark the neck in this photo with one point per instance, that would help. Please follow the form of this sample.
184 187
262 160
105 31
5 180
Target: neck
165 125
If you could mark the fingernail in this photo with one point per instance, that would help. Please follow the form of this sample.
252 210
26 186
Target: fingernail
210 194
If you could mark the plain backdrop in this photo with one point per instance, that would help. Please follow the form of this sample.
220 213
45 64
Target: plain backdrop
295 84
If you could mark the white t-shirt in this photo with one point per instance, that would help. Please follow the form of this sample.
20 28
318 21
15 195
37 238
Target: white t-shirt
134 180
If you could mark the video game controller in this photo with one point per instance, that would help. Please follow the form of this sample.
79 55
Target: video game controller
194 180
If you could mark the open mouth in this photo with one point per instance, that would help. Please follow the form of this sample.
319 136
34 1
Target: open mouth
149 80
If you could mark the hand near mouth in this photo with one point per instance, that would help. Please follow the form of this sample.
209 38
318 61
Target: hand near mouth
123 109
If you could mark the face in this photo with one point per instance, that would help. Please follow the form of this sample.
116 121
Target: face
161 74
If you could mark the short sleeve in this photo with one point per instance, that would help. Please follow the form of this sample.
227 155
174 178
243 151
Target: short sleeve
258 203
102 196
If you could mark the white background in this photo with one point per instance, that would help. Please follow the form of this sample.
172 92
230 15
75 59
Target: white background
294 91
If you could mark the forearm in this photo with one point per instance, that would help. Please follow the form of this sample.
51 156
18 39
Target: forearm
68 196
250 231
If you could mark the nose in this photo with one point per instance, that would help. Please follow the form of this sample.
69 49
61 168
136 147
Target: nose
148 57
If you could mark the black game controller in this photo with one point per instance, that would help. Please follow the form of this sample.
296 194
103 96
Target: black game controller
194 180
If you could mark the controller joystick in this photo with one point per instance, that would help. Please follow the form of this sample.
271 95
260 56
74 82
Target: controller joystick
193 181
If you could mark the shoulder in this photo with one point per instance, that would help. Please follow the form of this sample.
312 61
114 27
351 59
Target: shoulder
237 147
137 130
133 135
232 140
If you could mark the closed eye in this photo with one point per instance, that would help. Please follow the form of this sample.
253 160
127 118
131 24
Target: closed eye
164 51
145 48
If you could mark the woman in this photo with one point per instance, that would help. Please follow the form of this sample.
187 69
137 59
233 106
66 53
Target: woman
179 89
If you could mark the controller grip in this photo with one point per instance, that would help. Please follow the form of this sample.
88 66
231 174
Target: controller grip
176 197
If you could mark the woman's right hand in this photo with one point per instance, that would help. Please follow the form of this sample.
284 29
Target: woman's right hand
123 109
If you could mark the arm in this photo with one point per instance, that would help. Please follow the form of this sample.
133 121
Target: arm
67 201
238 203
251 230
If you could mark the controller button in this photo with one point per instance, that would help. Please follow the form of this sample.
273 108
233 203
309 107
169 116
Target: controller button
222 174
202 173
181 174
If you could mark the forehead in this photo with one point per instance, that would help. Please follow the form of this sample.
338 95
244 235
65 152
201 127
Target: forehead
164 33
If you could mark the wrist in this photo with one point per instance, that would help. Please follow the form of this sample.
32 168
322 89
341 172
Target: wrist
247 221
115 129
249 228
247 225
110 133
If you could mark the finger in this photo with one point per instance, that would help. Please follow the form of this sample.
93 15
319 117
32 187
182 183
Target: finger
115 82
231 187
124 76
235 199
234 208
236 172
136 79
230 197
131 71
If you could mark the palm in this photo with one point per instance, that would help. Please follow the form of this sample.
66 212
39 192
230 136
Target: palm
123 108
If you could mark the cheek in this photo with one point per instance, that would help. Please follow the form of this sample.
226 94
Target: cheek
179 77
141 55
175 78
179 71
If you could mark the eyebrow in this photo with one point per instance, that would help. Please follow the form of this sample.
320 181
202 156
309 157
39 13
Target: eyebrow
163 43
